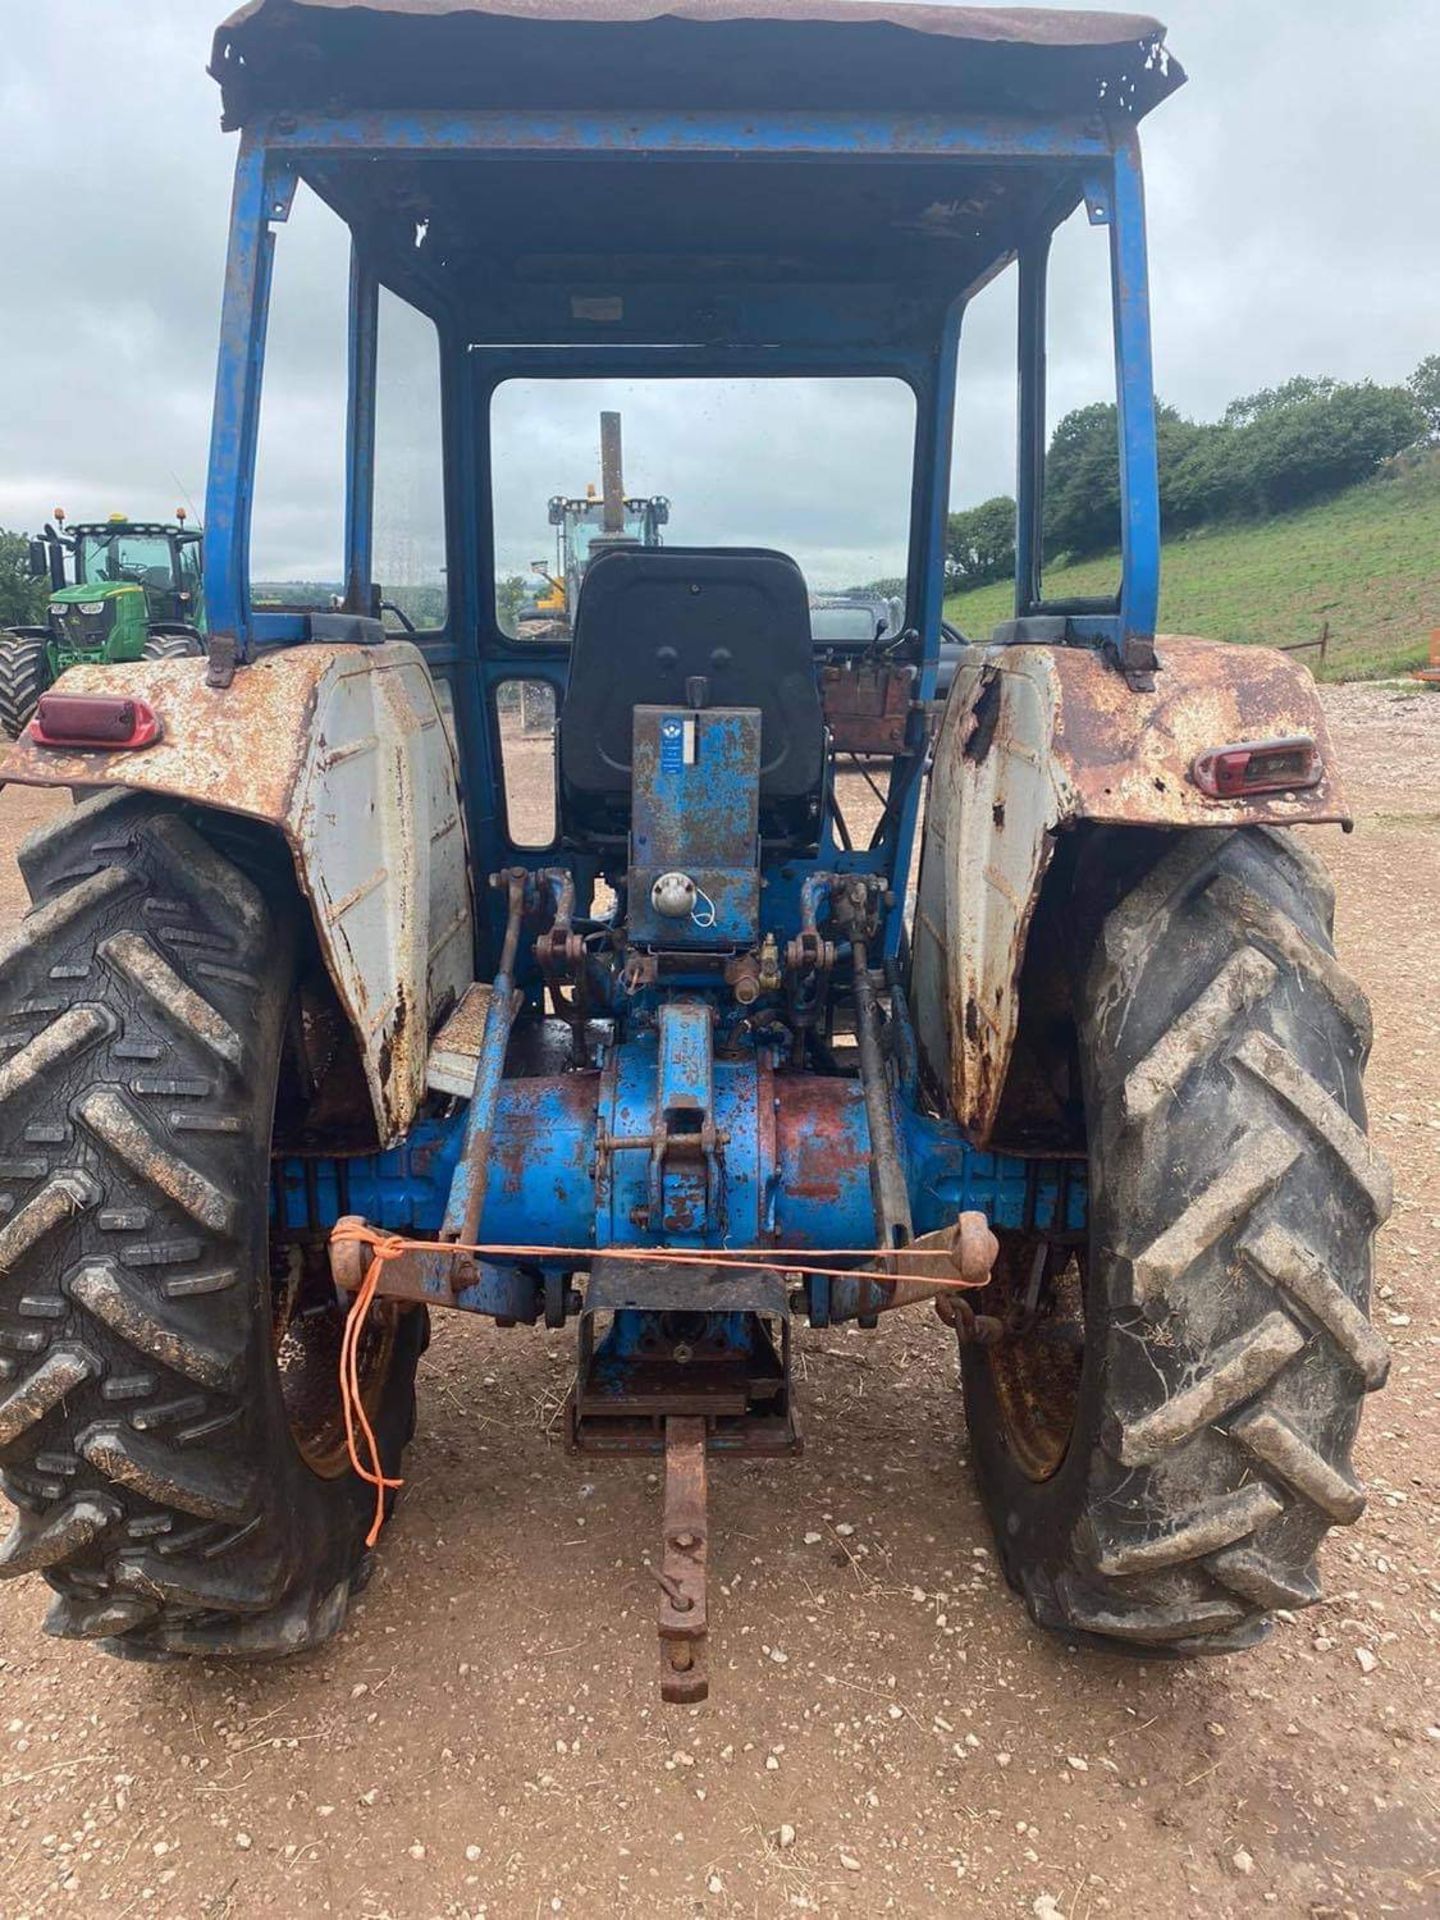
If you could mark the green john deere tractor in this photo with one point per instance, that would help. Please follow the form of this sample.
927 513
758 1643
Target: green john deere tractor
134 592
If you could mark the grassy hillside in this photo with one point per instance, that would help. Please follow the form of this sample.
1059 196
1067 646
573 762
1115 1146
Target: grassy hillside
1367 561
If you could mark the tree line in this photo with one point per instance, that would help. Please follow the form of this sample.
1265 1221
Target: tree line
22 600
1271 451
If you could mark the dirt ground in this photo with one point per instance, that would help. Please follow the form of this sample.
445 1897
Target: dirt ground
886 1733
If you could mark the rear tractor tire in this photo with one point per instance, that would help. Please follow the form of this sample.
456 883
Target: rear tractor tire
1165 1438
24 676
170 1428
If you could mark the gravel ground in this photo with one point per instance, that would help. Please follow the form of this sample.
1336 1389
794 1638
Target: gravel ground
887 1733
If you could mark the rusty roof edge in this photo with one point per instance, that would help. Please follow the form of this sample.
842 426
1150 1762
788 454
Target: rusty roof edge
1025 31
1018 26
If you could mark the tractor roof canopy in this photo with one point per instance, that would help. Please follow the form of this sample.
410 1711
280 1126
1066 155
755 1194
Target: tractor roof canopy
686 54
548 251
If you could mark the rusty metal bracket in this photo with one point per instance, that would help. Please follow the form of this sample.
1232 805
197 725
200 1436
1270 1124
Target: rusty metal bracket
436 1275
683 1623
1138 661
653 1363
222 659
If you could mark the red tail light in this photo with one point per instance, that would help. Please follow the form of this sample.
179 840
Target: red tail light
1258 766
93 721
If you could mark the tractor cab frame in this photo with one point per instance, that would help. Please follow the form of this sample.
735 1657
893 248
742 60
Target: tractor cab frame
440 199
951 194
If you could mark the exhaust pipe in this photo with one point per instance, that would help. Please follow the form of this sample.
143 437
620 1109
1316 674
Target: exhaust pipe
612 479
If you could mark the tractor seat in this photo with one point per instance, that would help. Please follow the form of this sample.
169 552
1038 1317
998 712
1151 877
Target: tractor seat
650 619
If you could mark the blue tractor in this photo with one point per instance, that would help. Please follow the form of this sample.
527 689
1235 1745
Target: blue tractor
307 1036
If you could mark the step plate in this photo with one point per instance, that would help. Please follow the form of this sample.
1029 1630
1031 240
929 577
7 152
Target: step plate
664 1286
455 1054
683 1342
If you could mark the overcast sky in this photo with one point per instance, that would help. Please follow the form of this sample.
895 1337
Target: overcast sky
1294 199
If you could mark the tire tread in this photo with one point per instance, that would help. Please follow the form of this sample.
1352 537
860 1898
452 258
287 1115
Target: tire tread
143 1434
1234 1199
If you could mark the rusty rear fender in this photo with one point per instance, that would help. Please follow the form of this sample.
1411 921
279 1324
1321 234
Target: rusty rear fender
342 749
1035 739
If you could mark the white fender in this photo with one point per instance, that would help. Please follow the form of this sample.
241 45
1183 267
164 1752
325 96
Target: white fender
1033 739
343 749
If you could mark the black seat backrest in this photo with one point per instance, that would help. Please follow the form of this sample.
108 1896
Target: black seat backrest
649 620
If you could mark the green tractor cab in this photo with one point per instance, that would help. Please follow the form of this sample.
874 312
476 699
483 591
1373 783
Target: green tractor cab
135 593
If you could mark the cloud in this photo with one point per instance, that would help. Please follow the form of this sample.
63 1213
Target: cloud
112 230
1294 193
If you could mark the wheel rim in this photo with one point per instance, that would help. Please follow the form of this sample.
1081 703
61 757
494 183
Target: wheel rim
1036 1368
308 1325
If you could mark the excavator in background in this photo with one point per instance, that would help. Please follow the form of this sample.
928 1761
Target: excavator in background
584 529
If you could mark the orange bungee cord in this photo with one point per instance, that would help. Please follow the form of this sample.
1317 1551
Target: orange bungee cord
360 1440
